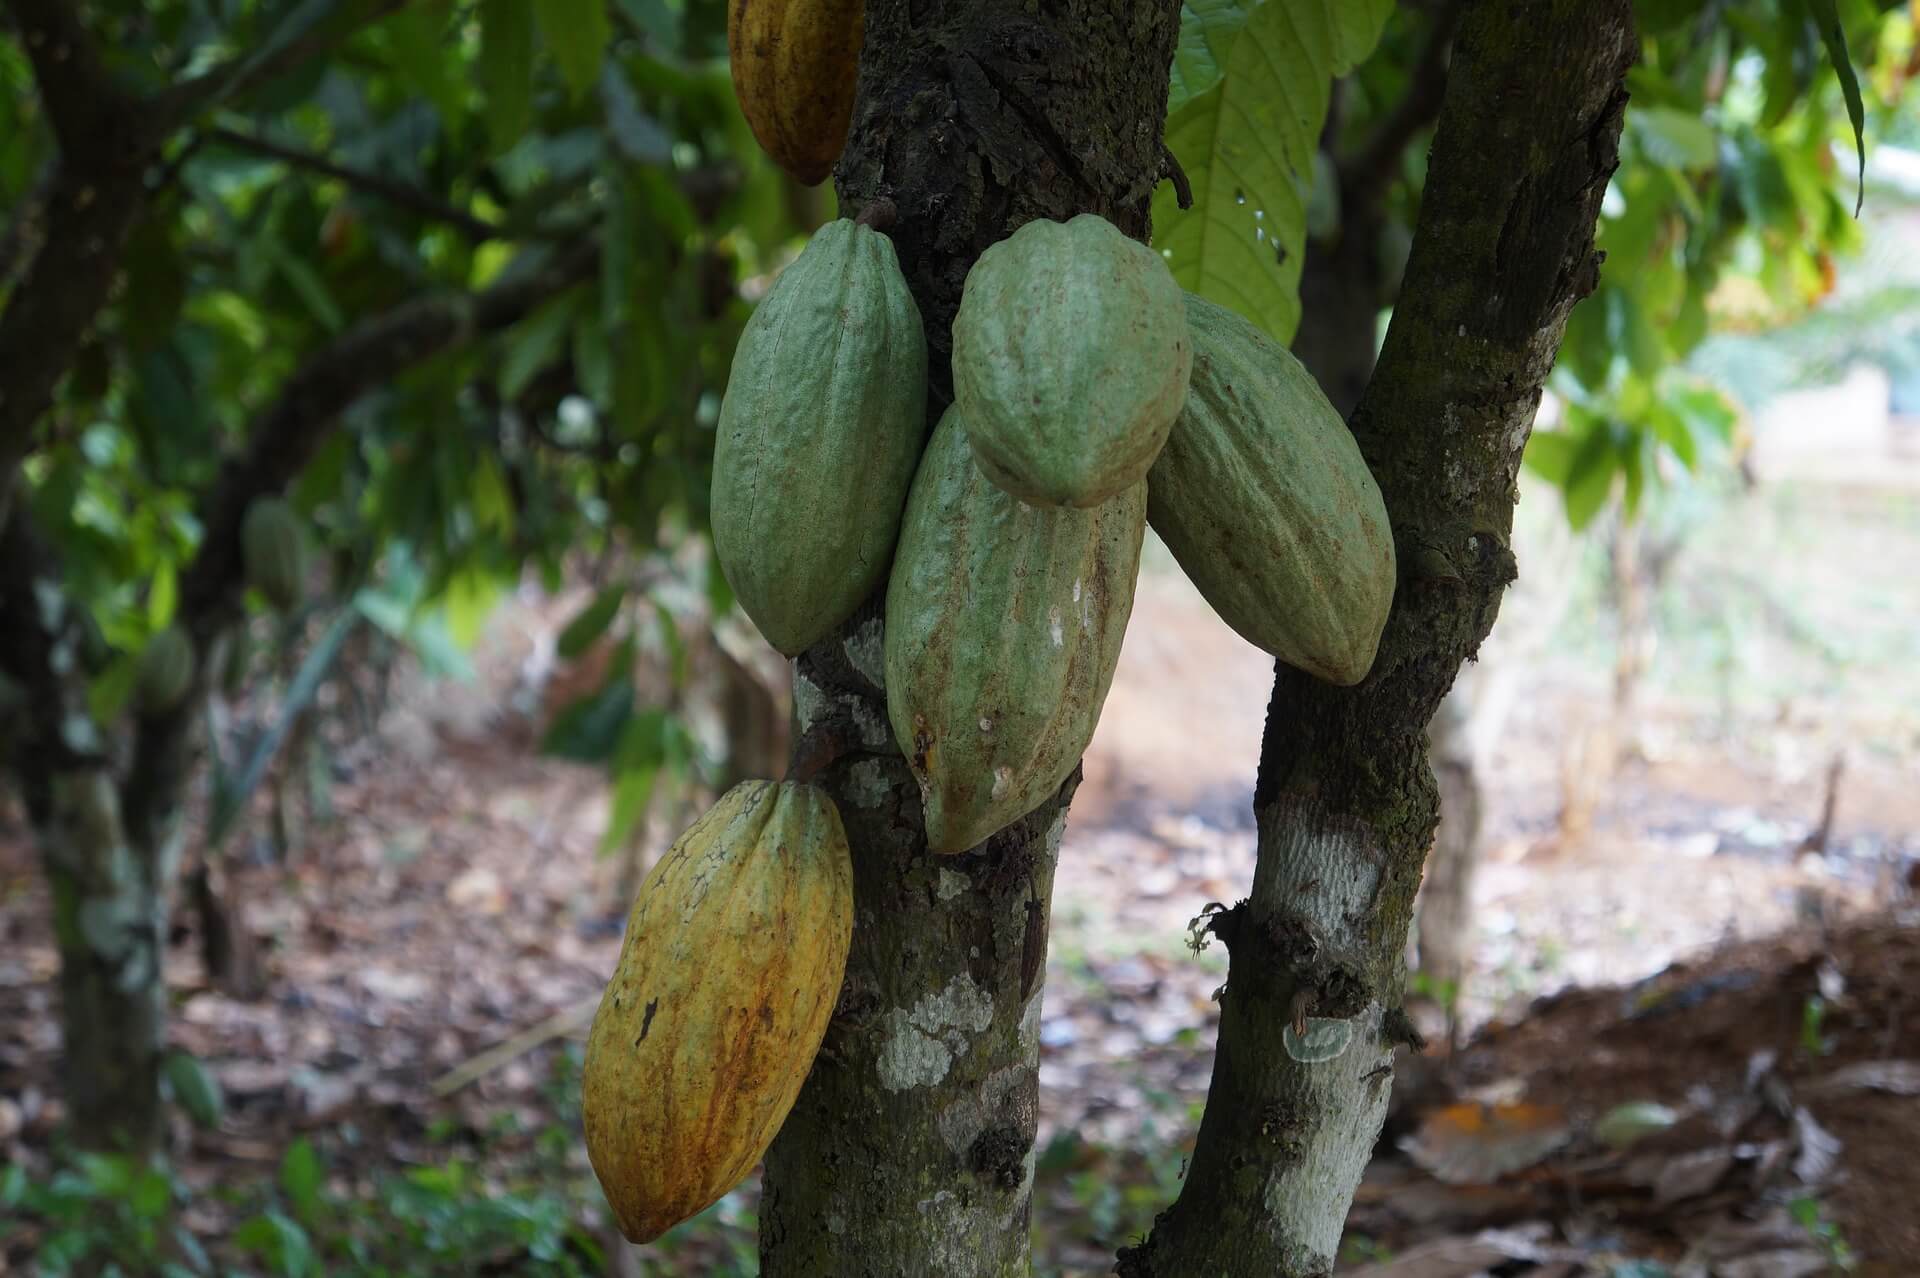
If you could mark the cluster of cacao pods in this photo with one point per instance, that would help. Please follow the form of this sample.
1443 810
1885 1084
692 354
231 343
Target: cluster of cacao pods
1092 397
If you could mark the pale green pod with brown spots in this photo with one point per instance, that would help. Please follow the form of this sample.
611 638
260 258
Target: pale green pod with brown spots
731 965
1004 624
1264 499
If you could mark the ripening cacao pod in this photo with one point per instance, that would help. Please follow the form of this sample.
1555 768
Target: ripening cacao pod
273 551
795 64
819 433
1004 624
1070 360
731 965
164 673
1264 499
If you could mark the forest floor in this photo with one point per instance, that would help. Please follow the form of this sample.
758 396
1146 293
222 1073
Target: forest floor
1756 1011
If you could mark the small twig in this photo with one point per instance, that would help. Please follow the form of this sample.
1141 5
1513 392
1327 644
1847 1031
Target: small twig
1170 168
559 1025
395 193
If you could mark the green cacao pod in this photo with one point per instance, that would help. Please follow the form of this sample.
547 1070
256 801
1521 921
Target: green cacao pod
1004 624
795 64
730 969
1070 360
819 433
1263 497
273 551
164 673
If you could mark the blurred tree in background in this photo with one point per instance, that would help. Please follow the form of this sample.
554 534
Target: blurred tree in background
461 282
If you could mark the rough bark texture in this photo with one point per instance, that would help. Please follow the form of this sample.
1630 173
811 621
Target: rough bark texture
911 1149
1346 802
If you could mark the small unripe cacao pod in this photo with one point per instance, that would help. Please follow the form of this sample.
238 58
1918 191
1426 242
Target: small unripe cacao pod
819 433
795 65
730 968
1264 499
165 672
273 552
1003 629
1070 360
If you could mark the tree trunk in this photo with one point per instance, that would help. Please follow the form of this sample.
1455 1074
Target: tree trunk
110 921
1346 802
910 1151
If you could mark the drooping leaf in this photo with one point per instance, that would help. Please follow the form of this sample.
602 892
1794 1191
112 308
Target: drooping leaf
1835 37
576 33
590 623
506 68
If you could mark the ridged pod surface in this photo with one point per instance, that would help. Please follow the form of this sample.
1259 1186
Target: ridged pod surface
273 551
730 968
795 64
819 434
1070 360
1264 499
1004 624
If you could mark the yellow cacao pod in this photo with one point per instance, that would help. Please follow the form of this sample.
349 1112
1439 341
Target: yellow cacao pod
729 971
795 63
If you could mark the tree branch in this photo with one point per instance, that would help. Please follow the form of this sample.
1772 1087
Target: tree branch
1346 802
1366 174
303 35
95 194
396 193
83 103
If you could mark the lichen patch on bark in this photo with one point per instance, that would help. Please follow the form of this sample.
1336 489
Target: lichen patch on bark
921 1042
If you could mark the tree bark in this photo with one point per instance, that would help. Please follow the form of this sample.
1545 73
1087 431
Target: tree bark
1346 802
910 1151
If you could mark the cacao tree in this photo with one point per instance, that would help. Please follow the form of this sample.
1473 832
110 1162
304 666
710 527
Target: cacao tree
521 229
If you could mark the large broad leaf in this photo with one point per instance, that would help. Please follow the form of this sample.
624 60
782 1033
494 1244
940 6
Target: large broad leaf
1250 89
576 32
506 68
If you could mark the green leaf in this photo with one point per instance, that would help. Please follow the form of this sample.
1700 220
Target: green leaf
156 285
1207 29
280 1240
1247 145
301 1179
194 1089
506 68
1835 37
1550 455
535 343
576 33
1677 139
590 623
1590 477
162 595
589 730
415 37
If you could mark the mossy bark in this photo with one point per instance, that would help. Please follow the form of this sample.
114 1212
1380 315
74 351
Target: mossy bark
910 1151
1346 800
